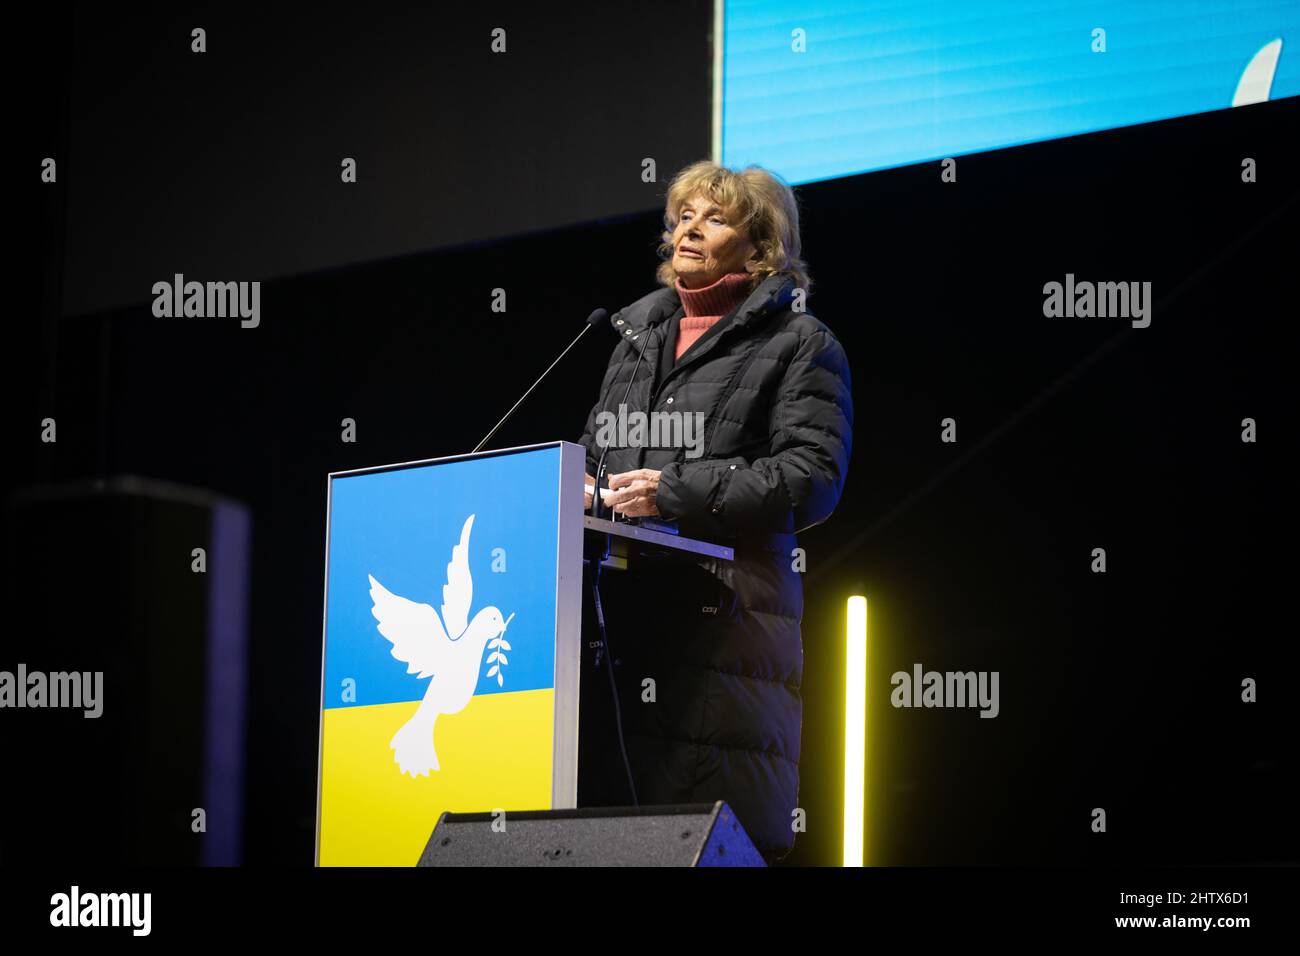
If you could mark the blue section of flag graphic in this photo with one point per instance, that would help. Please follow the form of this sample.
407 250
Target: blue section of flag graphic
400 526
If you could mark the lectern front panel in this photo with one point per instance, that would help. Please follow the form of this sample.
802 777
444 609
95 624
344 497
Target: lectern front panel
451 647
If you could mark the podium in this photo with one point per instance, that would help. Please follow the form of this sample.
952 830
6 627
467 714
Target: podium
452 637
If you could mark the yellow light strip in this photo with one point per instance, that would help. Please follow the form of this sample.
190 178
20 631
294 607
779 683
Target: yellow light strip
855 732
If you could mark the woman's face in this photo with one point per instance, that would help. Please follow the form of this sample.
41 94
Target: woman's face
705 246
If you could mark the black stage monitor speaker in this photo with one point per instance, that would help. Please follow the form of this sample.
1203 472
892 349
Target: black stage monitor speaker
693 834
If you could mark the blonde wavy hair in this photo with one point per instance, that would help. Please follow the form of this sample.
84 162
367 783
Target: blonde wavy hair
756 202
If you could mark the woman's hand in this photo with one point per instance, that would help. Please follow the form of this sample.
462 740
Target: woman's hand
586 495
635 493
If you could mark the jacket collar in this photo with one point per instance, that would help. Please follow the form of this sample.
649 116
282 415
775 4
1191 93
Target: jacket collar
773 293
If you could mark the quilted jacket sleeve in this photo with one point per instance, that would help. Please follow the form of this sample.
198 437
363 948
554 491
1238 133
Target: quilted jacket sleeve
799 483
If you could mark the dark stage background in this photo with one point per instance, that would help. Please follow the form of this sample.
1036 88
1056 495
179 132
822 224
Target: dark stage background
1119 690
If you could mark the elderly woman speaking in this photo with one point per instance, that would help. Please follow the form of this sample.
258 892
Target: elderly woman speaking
708 661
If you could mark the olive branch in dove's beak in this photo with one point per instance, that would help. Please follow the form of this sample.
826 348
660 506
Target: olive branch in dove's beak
507 623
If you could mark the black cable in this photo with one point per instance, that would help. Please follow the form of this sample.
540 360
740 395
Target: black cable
605 647
613 688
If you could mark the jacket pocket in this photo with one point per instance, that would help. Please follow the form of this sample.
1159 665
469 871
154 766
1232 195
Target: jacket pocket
691 593
717 600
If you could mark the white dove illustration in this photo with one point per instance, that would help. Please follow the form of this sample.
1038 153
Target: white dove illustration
449 654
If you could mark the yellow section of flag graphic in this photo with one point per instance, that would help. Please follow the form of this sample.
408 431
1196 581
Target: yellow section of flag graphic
496 753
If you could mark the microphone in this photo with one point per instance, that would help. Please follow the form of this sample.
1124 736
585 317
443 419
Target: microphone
596 503
596 318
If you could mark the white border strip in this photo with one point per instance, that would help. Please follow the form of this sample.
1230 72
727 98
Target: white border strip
718 20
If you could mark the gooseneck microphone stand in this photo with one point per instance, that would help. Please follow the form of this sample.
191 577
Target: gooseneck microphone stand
596 317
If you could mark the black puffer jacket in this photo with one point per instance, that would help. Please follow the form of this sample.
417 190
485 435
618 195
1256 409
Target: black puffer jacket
727 658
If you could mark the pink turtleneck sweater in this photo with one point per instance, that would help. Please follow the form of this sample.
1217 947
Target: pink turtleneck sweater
704 307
